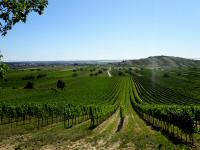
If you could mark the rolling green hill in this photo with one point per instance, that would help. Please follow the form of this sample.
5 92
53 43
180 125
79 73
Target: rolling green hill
162 62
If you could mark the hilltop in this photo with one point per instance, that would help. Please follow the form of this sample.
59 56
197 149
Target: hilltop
162 62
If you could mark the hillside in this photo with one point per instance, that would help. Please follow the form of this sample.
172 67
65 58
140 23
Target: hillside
163 62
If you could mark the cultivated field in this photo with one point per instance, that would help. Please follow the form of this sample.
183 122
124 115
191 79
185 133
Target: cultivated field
100 108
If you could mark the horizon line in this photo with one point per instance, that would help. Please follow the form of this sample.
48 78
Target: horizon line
79 60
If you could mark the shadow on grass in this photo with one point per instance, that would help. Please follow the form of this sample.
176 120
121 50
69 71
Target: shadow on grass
174 139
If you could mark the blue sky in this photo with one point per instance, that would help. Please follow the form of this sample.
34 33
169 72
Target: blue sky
106 29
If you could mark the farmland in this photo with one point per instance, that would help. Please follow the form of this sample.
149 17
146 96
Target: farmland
122 109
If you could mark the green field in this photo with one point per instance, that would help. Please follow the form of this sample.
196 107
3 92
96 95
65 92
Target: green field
133 109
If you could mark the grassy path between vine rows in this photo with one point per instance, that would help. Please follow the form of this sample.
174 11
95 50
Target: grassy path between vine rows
78 137
131 133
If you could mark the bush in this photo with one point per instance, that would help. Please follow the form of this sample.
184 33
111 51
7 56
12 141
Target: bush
6 80
91 74
74 70
100 71
29 85
74 75
120 73
28 77
166 75
1 75
61 84
41 75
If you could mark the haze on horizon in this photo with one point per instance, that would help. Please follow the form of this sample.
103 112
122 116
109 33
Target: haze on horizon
106 30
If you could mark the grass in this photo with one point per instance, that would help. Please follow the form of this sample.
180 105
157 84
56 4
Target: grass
82 89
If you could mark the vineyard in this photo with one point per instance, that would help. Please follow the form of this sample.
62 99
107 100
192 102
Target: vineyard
27 107
94 112
172 112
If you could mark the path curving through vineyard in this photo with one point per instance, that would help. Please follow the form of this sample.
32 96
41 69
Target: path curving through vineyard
100 137
133 133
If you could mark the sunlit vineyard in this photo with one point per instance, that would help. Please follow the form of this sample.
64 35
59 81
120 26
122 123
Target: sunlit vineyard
100 106
170 111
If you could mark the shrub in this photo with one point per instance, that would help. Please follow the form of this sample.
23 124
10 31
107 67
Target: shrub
6 80
60 84
74 70
29 85
96 74
100 71
41 75
28 77
120 73
1 75
74 75
166 75
91 74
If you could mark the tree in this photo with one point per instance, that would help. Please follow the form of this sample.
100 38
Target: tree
166 75
100 71
91 74
74 75
60 84
3 68
120 73
14 11
29 85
